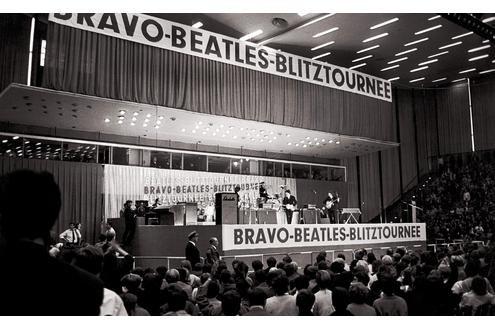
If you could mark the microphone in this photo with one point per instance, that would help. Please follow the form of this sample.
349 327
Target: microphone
314 191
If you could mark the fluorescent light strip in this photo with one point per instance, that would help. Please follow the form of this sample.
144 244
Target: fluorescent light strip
367 49
458 80
428 29
390 21
467 71
479 48
197 25
333 29
461 35
315 20
434 17
265 41
414 42
428 62
302 14
388 68
251 35
322 45
477 58
393 79
405 52
488 71
439 54
375 37
322 55
362 58
416 80
418 69
450 45
397 60
486 41
357 66
438 80
488 19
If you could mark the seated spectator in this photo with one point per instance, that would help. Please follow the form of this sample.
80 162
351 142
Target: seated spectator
323 298
130 303
176 301
257 301
203 279
389 304
358 293
305 301
282 303
478 295
340 300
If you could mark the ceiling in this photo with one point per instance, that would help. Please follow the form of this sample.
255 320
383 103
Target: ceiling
63 110
298 38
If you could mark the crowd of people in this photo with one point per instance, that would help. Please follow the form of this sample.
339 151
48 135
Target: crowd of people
458 202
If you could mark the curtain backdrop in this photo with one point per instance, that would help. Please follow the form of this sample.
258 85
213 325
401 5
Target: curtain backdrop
390 176
370 186
352 183
483 101
14 48
81 188
426 127
94 64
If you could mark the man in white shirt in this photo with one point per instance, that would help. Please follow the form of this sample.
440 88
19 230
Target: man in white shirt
323 298
71 236
282 303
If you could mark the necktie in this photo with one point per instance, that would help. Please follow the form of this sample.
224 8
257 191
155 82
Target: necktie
73 236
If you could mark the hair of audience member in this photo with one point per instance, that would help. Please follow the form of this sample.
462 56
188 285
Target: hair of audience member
186 265
375 266
345 279
148 270
479 286
260 276
396 257
234 264
131 282
231 303
241 269
89 258
310 272
323 279
183 274
198 267
370 258
242 287
139 271
280 265
130 301
305 301
226 277
204 278
256 296
213 289
271 262
323 265
362 266
342 256
280 285
34 221
337 267
362 277
340 298
387 283
289 269
161 271
172 276
151 282
389 251
401 251
287 259
176 298
414 259
206 268
358 293
257 265
359 255
472 268
301 282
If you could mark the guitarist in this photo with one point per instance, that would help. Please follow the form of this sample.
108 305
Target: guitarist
330 209
289 202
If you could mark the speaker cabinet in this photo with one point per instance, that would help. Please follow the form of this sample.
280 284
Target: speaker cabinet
226 208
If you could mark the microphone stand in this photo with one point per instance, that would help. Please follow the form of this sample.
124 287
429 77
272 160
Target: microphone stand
316 202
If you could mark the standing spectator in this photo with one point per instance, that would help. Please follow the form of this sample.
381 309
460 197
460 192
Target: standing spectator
176 301
323 298
305 301
130 224
192 251
282 303
340 299
389 304
257 301
357 296
212 254
478 295
130 303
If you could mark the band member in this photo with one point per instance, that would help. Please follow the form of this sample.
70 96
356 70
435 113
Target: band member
330 206
130 223
289 203
71 236
263 194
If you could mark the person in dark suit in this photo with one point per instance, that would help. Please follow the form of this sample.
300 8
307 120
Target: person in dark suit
38 284
257 299
192 251
130 223
289 203
212 254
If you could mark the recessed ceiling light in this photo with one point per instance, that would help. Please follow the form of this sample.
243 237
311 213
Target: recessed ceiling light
479 48
414 42
157 126
390 21
488 71
135 114
122 112
367 49
297 145
357 66
418 69
390 67
330 141
158 122
148 115
477 58
450 45
375 37
146 120
251 35
488 19
397 60
458 80
393 79
416 80
405 52
145 125
183 130
121 117
428 29
461 35
107 120
134 119
315 20
16 137
132 123
322 55
302 14
120 122
428 62
362 58
467 70
304 146
337 142
439 54
438 80
197 25
193 131
330 30
322 45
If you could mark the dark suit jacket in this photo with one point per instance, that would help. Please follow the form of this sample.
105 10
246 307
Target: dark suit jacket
292 200
37 284
212 255
192 254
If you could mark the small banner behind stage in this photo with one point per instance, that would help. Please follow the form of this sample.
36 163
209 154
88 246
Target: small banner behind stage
256 236
123 183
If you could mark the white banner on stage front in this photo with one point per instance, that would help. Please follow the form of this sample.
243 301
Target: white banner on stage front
262 236
123 183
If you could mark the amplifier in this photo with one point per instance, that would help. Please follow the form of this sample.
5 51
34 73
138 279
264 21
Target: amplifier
226 208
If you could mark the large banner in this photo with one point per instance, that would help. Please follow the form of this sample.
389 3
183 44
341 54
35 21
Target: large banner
123 183
177 37
259 236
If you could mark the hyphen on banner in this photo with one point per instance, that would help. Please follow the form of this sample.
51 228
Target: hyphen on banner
261 236
182 38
